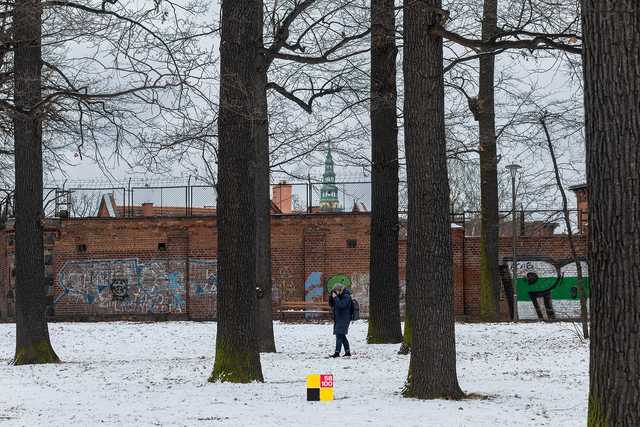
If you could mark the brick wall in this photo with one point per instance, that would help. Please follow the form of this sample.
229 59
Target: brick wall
168 266
552 249
6 291
161 267
7 266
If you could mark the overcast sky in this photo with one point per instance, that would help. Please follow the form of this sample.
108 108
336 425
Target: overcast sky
554 84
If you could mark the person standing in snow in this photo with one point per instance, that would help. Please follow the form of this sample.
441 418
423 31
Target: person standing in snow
340 302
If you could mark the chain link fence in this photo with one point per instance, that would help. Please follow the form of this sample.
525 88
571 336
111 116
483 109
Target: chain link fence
530 223
287 198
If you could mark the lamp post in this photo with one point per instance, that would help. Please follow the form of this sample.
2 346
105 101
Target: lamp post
513 170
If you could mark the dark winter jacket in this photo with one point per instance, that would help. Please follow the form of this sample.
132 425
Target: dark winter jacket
341 308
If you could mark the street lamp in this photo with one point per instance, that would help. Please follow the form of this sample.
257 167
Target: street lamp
513 170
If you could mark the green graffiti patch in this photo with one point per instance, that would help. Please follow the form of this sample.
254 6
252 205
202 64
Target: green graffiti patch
341 279
567 289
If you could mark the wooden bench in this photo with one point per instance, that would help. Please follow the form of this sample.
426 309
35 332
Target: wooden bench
322 309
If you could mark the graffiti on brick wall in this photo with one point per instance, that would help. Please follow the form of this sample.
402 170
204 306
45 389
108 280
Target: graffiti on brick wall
133 285
119 289
124 285
313 289
360 291
357 282
203 287
285 285
203 278
403 293
548 289
339 279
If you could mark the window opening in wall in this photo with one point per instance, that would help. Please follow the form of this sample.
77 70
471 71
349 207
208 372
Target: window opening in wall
162 246
82 248
352 243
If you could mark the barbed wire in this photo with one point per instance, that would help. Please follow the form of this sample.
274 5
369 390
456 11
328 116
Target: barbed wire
348 178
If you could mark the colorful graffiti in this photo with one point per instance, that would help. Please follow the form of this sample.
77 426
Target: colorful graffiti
313 291
338 279
133 285
124 285
203 278
548 289
357 282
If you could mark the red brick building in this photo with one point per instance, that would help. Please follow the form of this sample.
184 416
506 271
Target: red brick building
157 266
583 206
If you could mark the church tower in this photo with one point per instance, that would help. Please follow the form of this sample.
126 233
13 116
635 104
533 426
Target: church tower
329 191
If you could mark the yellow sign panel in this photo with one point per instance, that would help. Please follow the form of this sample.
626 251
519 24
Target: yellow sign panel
313 381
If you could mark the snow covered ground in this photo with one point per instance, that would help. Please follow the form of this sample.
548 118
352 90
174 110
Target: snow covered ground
139 374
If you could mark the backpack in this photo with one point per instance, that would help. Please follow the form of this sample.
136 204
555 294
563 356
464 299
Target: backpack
355 310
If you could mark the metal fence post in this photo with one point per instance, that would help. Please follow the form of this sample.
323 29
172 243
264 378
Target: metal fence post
130 195
189 201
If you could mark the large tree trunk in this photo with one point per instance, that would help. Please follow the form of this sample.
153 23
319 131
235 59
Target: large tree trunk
32 334
432 369
384 291
240 125
266 339
489 227
611 60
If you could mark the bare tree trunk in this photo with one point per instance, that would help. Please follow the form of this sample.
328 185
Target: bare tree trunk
266 340
240 125
489 226
611 60
567 220
432 369
384 290
32 333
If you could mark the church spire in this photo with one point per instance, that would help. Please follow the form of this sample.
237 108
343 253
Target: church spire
329 191
329 175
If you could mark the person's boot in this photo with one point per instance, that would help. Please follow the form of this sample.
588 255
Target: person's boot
335 355
347 354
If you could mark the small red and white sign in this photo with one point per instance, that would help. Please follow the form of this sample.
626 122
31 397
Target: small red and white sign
326 381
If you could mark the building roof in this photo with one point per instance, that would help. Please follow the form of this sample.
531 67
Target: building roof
109 209
528 228
164 211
